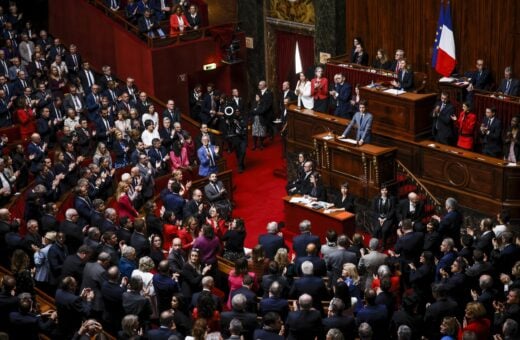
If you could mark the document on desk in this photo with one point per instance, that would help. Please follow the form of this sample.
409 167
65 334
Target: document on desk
446 80
395 92
348 140
299 200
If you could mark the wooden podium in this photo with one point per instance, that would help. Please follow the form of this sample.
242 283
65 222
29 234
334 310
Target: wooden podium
342 222
364 167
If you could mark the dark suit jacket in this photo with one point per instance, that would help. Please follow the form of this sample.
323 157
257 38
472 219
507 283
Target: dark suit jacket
74 235
405 81
134 303
262 334
320 269
162 333
312 285
513 89
450 225
8 304
434 315
71 311
480 80
300 242
443 128
194 21
303 325
377 317
248 320
403 211
271 243
409 246
274 304
492 141
349 203
73 266
346 324
336 260
141 244
342 101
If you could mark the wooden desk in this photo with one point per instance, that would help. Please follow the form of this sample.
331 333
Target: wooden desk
364 167
477 181
341 221
407 115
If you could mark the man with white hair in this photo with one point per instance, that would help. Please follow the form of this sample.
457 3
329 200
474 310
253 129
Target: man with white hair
310 284
371 261
272 240
72 230
301 241
304 322
413 209
238 311
450 224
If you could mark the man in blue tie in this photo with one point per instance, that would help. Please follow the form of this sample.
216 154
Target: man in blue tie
363 122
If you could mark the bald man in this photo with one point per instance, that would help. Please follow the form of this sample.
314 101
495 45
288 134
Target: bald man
320 268
412 208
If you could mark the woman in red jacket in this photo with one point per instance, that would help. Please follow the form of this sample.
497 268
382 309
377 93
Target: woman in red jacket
124 204
465 127
475 321
26 118
178 21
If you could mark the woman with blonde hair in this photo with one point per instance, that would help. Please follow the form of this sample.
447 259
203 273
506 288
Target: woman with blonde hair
102 151
350 276
381 61
475 321
287 268
449 328
125 207
177 176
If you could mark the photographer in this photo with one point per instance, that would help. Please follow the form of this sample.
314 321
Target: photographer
236 133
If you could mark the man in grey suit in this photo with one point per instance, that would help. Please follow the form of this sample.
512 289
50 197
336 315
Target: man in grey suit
363 121
339 257
94 275
370 262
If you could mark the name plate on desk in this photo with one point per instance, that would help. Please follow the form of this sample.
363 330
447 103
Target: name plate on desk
348 140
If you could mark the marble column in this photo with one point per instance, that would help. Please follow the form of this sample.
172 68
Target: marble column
330 27
251 18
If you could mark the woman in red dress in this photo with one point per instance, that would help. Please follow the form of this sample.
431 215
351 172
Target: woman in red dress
178 21
170 229
26 118
466 127
124 204
188 232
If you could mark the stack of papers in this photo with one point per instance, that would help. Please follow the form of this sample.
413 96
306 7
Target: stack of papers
395 92
446 80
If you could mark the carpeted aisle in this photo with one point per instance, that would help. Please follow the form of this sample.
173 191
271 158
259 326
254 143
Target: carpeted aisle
258 193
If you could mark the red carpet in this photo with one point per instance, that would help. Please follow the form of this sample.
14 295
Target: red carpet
258 194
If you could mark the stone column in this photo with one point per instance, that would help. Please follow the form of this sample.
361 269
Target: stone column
330 36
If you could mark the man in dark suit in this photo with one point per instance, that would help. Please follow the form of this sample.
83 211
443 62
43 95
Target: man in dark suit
271 241
177 257
480 78
504 257
404 77
302 183
105 129
238 311
208 105
8 302
71 308
337 258
272 328
483 241
166 329
443 128
87 78
335 319
265 108
139 240
165 286
72 230
412 209
442 307
410 242
172 112
149 25
135 303
26 324
112 291
376 315
304 322
450 224
491 133
74 264
310 284
273 274
301 241
217 194
509 86
73 61
94 275
274 302
340 96
193 17
320 269
208 284
448 257
246 290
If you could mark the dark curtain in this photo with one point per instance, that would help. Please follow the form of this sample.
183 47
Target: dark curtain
285 48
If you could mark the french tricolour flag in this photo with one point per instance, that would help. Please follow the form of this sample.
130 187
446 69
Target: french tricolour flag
444 47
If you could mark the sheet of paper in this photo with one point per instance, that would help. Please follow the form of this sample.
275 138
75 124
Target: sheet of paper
348 140
446 80
394 91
